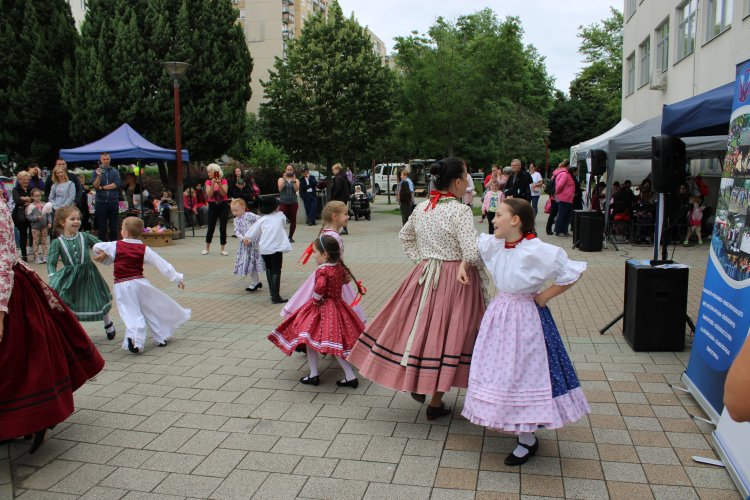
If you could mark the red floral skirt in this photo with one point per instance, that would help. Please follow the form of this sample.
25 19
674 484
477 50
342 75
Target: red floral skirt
45 355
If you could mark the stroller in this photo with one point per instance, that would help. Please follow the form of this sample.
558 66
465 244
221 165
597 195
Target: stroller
359 203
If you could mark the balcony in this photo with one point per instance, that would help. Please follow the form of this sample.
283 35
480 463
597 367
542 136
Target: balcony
288 2
287 18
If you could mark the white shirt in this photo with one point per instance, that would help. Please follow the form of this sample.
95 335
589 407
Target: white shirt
536 177
150 257
273 237
526 268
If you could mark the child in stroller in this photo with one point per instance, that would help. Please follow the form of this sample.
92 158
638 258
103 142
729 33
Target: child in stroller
360 202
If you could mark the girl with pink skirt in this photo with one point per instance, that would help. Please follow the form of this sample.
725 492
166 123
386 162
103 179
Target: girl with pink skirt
521 376
422 340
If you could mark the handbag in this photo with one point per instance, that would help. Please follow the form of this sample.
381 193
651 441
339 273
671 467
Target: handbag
548 206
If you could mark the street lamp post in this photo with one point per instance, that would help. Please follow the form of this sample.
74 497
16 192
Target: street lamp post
177 70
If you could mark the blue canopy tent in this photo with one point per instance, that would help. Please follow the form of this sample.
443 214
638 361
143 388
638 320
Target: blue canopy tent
124 143
701 115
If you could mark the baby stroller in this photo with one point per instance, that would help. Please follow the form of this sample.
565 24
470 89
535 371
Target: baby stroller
359 203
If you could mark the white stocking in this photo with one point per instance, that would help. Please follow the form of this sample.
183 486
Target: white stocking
254 279
312 361
107 321
526 438
347 367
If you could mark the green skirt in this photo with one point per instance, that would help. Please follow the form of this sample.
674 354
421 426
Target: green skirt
83 289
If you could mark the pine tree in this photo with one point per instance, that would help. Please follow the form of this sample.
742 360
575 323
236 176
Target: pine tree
37 44
119 76
331 98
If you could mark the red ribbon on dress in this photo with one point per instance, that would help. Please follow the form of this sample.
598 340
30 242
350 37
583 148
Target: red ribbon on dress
435 197
306 254
361 291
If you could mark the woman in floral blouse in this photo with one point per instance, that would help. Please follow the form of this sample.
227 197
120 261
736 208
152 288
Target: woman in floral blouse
422 340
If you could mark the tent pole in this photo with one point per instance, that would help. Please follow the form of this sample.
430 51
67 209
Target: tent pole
140 185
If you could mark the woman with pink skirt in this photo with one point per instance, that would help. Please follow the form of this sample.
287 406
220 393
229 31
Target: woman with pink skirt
422 340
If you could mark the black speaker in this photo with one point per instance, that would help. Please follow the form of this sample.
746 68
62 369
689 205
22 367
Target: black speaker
598 162
668 159
588 230
655 307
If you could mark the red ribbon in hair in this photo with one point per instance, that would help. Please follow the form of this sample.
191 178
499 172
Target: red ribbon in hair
361 291
306 254
435 197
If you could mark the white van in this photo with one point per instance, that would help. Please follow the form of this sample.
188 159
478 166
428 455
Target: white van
386 175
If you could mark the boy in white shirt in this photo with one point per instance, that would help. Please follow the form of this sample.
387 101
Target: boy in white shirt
273 243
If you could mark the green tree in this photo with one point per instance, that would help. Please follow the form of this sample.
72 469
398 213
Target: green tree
119 77
331 98
473 89
595 94
37 44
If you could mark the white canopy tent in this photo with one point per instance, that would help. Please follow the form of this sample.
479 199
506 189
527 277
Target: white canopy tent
580 151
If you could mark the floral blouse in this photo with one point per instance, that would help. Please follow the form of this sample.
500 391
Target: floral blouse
445 232
8 255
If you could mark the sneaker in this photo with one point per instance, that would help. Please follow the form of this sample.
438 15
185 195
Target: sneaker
700 242
37 260
204 252
44 259
685 242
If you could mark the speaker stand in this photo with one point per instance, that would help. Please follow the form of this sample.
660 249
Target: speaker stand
617 318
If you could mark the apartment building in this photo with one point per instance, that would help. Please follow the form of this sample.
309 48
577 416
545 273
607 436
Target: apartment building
674 49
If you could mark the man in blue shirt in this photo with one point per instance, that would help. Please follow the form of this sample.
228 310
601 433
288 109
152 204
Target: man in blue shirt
107 184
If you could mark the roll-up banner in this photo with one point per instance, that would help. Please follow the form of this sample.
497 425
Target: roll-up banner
724 314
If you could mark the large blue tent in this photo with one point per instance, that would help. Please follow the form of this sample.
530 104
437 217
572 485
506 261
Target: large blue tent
122 144
701 115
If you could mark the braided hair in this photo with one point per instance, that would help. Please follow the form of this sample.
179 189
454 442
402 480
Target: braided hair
329 245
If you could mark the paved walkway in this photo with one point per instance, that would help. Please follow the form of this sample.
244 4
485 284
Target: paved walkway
218 413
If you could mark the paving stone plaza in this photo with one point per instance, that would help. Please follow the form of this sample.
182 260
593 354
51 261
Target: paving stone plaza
219 412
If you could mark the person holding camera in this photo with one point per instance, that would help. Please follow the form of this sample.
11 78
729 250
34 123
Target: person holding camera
107 184
218 206
288 204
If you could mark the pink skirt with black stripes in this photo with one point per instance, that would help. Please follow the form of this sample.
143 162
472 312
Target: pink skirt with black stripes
441 345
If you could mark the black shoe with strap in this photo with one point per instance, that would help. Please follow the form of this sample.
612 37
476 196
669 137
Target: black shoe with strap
308 380
110 333
434 412
353 383
512 460
131 346
419 398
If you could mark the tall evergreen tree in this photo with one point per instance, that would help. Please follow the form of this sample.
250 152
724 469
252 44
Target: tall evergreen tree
37 44
119 77
331 98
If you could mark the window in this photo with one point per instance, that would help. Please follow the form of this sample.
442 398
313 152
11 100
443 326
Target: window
686 28
662 47
644 50
630 67
629 8
718 17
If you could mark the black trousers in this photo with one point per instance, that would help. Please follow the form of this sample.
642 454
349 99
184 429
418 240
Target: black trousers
107 217
218 212
273 262
552 217
490 217
310 208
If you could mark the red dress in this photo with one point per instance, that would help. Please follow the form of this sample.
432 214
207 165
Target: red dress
45 353
325 323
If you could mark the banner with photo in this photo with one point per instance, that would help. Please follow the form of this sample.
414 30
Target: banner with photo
724 314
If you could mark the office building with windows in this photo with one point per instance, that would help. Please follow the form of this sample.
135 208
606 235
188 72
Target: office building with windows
674 49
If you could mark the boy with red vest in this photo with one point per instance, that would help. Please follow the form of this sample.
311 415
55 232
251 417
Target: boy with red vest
140 304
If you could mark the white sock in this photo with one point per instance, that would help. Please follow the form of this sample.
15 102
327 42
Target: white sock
312 361
107 321
254 279
526 438
347 367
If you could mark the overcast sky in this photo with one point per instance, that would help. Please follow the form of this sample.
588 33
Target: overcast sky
550 25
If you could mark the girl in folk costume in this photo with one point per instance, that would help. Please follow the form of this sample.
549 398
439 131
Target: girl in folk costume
335 217
695 219
39 217
422 339
326 324
521 377
79 283
45 354
139 302
248 260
